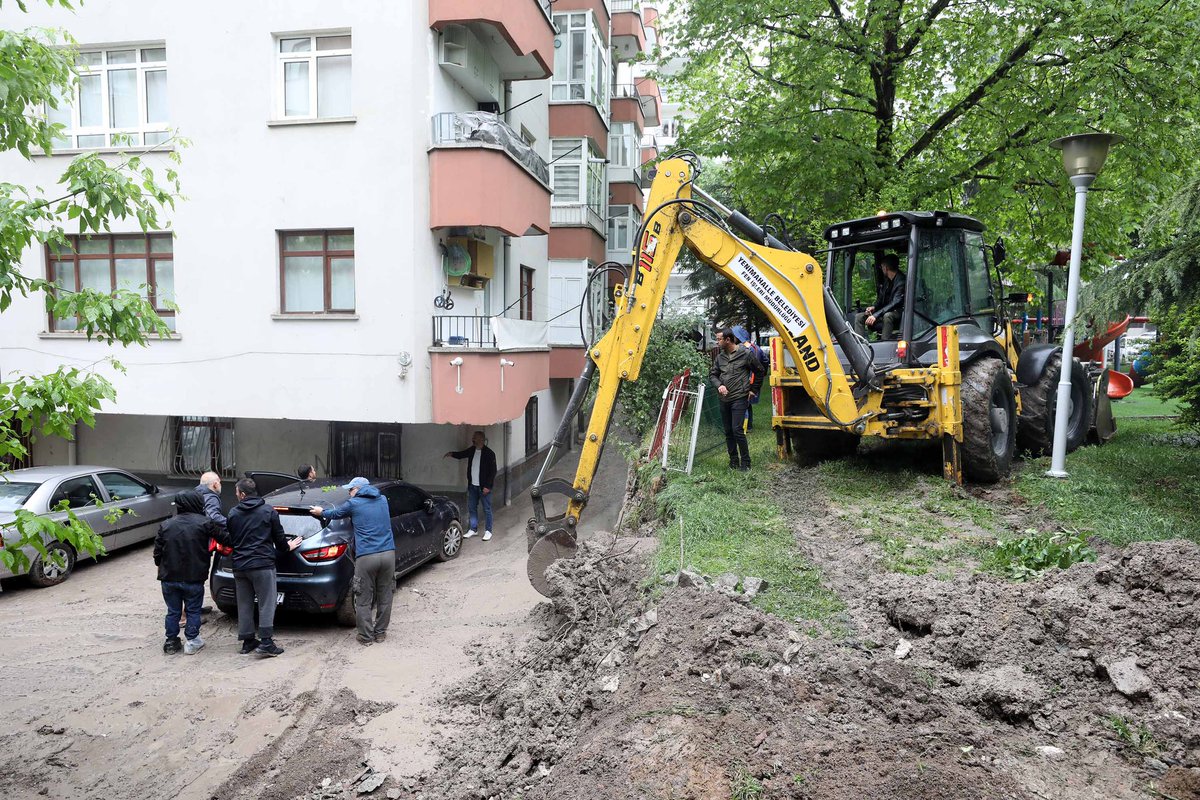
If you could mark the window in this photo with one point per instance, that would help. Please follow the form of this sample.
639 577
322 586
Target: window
121 100
316 272
78 492
203 444
578 177
940 295
531 426
581 67
622 227
140 263
123 487
983 303
366 449
313 76
404 500
526 292
623 147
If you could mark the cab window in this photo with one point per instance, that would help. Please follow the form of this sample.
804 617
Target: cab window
122 487
855 277
940 293
979 287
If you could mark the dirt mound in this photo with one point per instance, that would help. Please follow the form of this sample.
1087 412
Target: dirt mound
1105 649
1079 680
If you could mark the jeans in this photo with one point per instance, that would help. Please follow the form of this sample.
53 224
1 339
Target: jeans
474 495
374 582
732 414
180 596
248 585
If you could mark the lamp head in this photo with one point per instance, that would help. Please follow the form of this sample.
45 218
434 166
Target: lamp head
456 362
1084 153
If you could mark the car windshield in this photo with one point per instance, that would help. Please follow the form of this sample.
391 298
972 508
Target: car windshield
14 495
299 522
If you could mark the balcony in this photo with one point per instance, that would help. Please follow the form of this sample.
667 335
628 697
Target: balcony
577 215
626 105
628 29
651 98
475 158
518 34
484 369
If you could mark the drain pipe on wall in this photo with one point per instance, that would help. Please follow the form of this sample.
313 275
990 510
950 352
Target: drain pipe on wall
507 250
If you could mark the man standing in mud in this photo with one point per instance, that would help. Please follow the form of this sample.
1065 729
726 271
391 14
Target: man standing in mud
735 371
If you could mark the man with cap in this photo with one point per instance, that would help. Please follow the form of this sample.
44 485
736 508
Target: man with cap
374 557
183 558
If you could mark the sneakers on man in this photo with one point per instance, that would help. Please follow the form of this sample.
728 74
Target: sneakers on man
487 536
470 533
249 646
268 649
365 641
193 646
172 645
380 637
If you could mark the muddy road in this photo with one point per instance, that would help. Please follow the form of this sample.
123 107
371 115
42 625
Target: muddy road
93 708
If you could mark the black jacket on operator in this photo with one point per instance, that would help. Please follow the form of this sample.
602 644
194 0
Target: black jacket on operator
487 464
890 296
255 533
181 546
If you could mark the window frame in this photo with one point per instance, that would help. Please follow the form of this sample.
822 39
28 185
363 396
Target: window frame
112 134
623 141
526 292
326 256
585 158
151 256
222 450
620 216
309 57
531 426
597 67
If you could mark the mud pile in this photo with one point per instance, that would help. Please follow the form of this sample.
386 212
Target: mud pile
974 688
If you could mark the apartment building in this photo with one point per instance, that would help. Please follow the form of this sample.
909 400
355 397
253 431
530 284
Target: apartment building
390 208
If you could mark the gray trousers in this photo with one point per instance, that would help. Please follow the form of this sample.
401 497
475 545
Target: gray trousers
248 585
885 323
374 582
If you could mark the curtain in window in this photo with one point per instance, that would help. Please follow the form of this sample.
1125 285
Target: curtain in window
305 283
333 86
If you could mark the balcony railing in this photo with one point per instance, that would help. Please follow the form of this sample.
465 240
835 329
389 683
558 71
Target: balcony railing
626 5
484 129
463 331
578 214
620 90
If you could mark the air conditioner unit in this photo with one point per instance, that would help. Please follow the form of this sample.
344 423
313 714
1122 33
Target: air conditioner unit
470 64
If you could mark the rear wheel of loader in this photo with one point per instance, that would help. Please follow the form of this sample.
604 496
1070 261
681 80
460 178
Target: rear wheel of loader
989 407
814 445
1039 402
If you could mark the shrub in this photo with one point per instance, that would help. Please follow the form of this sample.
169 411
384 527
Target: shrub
1023 557
669 352
1177 362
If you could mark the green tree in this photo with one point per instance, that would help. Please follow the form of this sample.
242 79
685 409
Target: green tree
37 69
669 351
828 110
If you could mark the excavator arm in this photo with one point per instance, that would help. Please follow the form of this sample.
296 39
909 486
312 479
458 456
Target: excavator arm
786 284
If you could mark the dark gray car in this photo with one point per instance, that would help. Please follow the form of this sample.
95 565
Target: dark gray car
93 493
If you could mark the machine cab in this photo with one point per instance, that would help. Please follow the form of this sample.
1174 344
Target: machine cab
946 269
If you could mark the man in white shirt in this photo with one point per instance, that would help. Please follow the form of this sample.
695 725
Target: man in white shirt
481 476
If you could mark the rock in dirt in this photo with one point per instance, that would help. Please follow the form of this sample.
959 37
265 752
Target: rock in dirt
753 586
1128 677
371 783
1051 752
726 582
690 578
610 683
1008 693
903 648
645 622
393 794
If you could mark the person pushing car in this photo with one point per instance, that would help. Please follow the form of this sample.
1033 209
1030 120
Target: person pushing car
374 557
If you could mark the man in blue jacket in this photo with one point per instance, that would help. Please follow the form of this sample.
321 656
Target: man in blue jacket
374 557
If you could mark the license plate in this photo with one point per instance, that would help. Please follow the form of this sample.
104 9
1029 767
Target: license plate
279 599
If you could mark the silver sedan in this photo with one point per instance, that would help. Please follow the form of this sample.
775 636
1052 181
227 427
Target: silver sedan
93 493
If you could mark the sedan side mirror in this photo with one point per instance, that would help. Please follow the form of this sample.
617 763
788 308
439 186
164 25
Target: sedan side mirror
154 488
429 506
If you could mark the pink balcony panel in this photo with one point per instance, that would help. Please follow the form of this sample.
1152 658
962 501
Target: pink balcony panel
628 109
569 120
521 34
651 100
628 35
566 362
595 6
650 15
482 400
485 187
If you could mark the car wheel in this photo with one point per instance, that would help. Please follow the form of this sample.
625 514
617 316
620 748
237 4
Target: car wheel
344 614
46 572
452 539
228 610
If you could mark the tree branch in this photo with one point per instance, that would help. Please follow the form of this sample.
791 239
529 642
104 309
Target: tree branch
923 26
956 111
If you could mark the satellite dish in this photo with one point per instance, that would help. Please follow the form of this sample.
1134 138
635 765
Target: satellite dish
456 260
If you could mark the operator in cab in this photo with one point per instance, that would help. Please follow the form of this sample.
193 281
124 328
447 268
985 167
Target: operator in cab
884 316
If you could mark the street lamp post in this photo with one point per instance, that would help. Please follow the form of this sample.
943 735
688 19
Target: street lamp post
1083 156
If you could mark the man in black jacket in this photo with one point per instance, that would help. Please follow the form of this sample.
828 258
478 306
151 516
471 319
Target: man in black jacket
182 555
256 535
884 316
734 371
481 476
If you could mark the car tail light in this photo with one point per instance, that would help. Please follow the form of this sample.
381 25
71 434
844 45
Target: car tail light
902 349
223 549
323 553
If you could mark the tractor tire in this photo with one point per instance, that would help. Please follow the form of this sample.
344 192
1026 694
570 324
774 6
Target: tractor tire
1039 402
989 410
813 445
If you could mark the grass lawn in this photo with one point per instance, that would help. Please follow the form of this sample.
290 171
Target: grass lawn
1140 486
732 522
